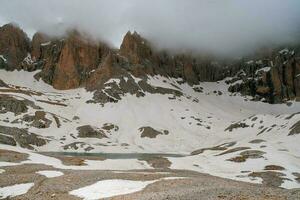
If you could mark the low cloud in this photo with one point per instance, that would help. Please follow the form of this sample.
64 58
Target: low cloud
226 27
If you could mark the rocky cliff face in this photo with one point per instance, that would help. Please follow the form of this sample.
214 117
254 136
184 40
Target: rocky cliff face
14 47
67 62
76 61
135 48
273 80
38 41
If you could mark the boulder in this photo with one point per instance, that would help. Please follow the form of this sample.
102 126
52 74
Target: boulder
88 131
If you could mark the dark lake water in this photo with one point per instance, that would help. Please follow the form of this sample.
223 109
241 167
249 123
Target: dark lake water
115 155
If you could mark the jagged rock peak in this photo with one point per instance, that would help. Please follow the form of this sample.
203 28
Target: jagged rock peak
135 48
67 62
14 46
38 40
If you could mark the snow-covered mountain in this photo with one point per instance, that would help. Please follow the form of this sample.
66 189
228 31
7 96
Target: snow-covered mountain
69 95
226 135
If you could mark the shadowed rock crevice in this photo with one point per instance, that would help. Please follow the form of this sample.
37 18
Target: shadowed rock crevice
13 136
274 80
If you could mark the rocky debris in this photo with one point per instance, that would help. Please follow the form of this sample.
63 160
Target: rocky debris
109 127
20 136
249 154
11 104
295 129
292 115
38 120
57 121
113 90
88 131
274 80
234 150
4 139
52 103
14 105
157 162
70 160
150 132
236 126
270 178
221 147
3 84
12 156
257 141
297 176
19 90
14 46
274 167
77 145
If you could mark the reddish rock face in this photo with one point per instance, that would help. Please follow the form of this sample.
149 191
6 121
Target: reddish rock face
38 40
135 48
76 61
68 62
14 45
77 58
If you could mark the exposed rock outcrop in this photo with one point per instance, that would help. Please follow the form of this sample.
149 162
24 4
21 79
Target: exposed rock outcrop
273 80
11 104
39 40
14 47
68 62
88 131
150 132
13 135
135 48
77 61
38 120
295 129
16 106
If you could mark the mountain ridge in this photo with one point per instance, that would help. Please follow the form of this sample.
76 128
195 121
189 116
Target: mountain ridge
76 61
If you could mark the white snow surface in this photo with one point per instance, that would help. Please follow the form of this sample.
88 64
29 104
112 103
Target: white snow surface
194 121
113 187
50 173
109 188
2 57
46 43
15 190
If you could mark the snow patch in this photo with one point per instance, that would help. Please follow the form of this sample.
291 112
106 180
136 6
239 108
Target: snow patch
46 43
50 174
109 188
28 60
15 190
2 57
265 69
114 187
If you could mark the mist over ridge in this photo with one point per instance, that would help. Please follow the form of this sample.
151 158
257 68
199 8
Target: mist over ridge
230 27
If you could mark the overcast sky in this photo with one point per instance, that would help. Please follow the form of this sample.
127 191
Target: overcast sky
220 26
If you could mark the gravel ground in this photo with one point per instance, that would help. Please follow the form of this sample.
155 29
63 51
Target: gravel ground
193 186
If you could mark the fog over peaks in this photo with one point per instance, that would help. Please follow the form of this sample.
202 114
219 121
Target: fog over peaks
226 27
